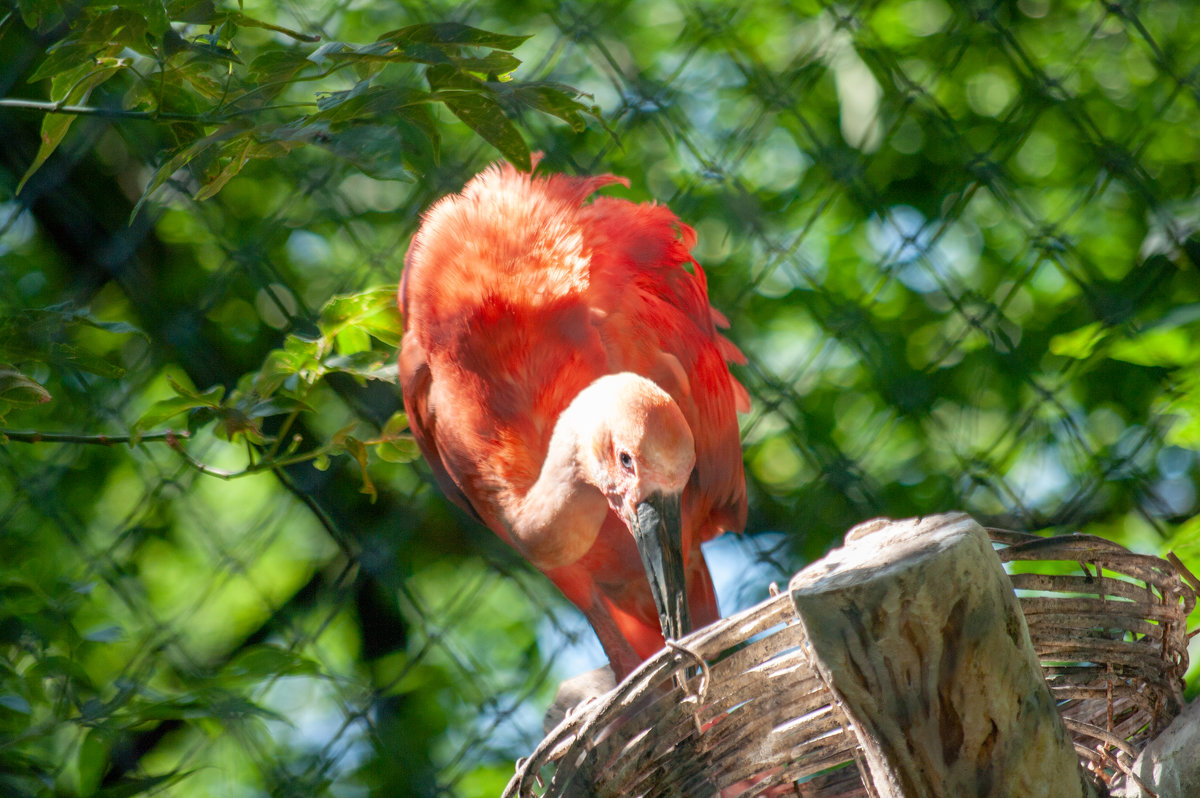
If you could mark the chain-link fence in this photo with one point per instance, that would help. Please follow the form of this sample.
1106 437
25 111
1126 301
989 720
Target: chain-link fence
957 241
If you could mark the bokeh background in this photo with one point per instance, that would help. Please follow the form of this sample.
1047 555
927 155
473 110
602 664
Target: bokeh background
958 242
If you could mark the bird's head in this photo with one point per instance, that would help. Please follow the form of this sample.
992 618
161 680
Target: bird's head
637 449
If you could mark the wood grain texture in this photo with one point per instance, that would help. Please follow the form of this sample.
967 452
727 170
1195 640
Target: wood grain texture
914 627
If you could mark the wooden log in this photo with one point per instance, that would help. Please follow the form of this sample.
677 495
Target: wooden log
915 628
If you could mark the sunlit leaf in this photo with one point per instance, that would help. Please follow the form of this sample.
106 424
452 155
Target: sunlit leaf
396 445
398 450
1078 343
1158 347
187 399
374 310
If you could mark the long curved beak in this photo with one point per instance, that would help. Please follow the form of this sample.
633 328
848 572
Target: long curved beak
658 531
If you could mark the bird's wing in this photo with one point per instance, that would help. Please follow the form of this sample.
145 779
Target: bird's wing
649 301
415 381
498 339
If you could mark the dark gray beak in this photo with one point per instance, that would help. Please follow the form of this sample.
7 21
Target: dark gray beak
658 531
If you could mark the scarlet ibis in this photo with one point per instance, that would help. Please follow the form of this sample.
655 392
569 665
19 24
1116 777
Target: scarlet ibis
564 377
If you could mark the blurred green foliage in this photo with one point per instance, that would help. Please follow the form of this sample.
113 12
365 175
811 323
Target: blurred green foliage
957 241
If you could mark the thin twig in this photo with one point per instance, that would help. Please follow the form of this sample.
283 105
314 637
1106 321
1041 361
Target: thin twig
32 436
49 107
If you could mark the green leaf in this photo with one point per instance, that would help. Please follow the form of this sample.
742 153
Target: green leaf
352 341
56 667
1162 346
210 703
1080 343
184 156
454 33
254 407
235 154
93 759
374 309
195 11
141 785
84 361
206 48
469 99
494 63
211 397
358 450
400 450
186 400
366 363
64 56
274 70
366 102
264 662
375 149
485 116
157 19
250 22
54 125
19 390
396 445
416 125
105 634
395 425
235 422
557 100
286 368
40 15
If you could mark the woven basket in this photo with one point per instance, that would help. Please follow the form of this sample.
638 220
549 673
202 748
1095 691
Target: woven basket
736 709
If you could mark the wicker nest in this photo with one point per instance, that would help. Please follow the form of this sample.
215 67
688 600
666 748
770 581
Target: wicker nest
736 709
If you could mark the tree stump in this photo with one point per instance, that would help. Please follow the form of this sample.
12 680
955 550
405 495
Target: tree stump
915 629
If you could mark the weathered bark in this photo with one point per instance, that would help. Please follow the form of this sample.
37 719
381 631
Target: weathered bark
914 626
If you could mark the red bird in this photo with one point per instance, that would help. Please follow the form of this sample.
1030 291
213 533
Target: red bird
564 377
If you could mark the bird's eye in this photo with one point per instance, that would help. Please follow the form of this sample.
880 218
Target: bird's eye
626 461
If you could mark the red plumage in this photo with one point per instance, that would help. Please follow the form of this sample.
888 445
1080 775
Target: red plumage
517 294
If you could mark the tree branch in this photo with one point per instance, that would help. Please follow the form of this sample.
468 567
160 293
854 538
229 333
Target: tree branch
33 436
49 107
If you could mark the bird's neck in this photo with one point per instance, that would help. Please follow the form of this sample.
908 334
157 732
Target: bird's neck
558 518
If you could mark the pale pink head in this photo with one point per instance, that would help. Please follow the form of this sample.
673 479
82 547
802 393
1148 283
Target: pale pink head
635 446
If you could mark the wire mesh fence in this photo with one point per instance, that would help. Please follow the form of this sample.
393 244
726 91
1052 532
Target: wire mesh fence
957 242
